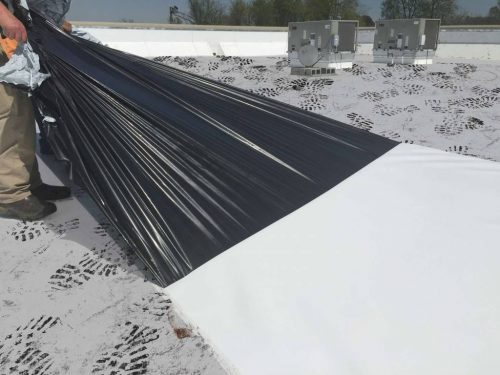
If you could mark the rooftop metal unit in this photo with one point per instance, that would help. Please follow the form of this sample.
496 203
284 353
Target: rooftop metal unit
320 47
404 41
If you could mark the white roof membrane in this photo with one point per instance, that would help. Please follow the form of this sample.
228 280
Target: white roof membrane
394 271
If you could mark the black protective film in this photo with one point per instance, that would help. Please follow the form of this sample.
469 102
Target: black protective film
183 166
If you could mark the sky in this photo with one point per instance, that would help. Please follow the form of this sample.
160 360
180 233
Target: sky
157 10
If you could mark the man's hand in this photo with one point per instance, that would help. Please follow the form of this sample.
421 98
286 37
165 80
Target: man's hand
67 27
12 28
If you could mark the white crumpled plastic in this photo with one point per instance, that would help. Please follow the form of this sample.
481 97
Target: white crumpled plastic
23 69
85 35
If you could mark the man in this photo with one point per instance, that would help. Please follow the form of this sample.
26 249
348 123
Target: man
53 10
23 196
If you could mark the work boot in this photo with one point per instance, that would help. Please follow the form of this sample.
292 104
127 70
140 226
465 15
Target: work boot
28 209
46 192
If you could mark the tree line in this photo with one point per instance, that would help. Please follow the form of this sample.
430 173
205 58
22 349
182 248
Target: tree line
273 12
280 12
493 17
443 9
446 10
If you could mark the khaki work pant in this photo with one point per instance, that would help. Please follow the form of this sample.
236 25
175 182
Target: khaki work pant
18 165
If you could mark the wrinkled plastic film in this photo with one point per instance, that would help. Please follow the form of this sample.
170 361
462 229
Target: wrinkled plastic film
183 166
23 69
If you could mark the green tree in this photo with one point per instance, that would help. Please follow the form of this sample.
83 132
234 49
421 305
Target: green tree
348 9
330 9
366 21
285 11
239 13
281 12
261 13
495 11
390 9
443 9
206 12
401 8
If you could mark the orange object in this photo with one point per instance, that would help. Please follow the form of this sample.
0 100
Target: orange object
8 46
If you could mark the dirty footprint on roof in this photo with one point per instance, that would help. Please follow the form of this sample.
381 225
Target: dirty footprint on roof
155 304
21 352
39 235
131 355
106 260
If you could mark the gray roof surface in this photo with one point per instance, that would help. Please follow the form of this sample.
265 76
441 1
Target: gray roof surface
452 106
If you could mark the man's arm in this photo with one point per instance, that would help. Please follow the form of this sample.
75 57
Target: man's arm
12 28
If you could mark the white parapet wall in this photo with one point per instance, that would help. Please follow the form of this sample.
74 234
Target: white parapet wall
151 40
455 42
